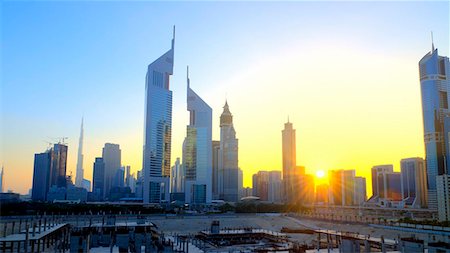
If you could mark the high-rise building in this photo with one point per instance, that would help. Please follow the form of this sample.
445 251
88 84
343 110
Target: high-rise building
342 187
119 178
261 185
274 187
434 83
360 191
322 194
215 169
2 180
177 177
41 176
80 172
197 149
228 158
443 194
98 178
386 186
241 183
158 128
289 162
112 158
377 186
59 165
414 182
49 171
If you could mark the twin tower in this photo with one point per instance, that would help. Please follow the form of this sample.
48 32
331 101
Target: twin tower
197 146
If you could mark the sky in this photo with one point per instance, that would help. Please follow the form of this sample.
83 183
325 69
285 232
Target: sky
345 73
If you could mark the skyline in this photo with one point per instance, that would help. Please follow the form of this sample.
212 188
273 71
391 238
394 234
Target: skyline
312 123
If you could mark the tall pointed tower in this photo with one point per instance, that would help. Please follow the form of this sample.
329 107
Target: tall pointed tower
80 172
158 128
228 160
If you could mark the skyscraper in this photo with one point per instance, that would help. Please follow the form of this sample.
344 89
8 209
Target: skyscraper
274 187
80 172
443 193
2 180
41 176
158 128
49 171
360 191
215 169
98 179
342 187
228 158
434 83
112 158
289 161
197 149
414 182
177 177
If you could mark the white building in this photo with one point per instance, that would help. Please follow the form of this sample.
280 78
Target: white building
443 197
197 150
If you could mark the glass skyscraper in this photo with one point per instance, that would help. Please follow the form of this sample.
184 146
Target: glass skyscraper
434 84
158 128
197 150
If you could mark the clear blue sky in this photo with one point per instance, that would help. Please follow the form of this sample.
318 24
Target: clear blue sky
62 60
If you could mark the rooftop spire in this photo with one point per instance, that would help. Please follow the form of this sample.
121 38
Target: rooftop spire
432 42
187 76
173 37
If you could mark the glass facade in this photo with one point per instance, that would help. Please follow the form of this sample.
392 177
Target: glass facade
434 83
158 128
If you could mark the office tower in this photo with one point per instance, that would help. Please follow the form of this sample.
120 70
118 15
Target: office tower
139 189
132 183
443 195
255 185
434 83
41 176
247 192
274 187
261 185
59 165
306 190
98 179
414 182
360 191
112 158
80 172
119 178
197 149
322 194
289 162
86 184
158 128
49 170
377 186
241 183
2 180
177 177
215 169
228 157
342 187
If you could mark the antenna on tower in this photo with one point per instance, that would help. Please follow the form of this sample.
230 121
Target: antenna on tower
432 42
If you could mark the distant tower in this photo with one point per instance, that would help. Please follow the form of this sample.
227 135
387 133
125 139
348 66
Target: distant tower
158 128
289 161
112 158
80 171
197 150
228 160
1 180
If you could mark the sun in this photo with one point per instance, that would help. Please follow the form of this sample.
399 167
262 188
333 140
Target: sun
320 174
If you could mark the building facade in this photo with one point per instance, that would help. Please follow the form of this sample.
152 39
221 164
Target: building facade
197 150
289 162
360 191
111 155
434 83
342 187
443 194
228 158
274 192
98 178
414 182
215 169
177 178
158 128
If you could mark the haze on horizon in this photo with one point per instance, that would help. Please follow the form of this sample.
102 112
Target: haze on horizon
346 74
